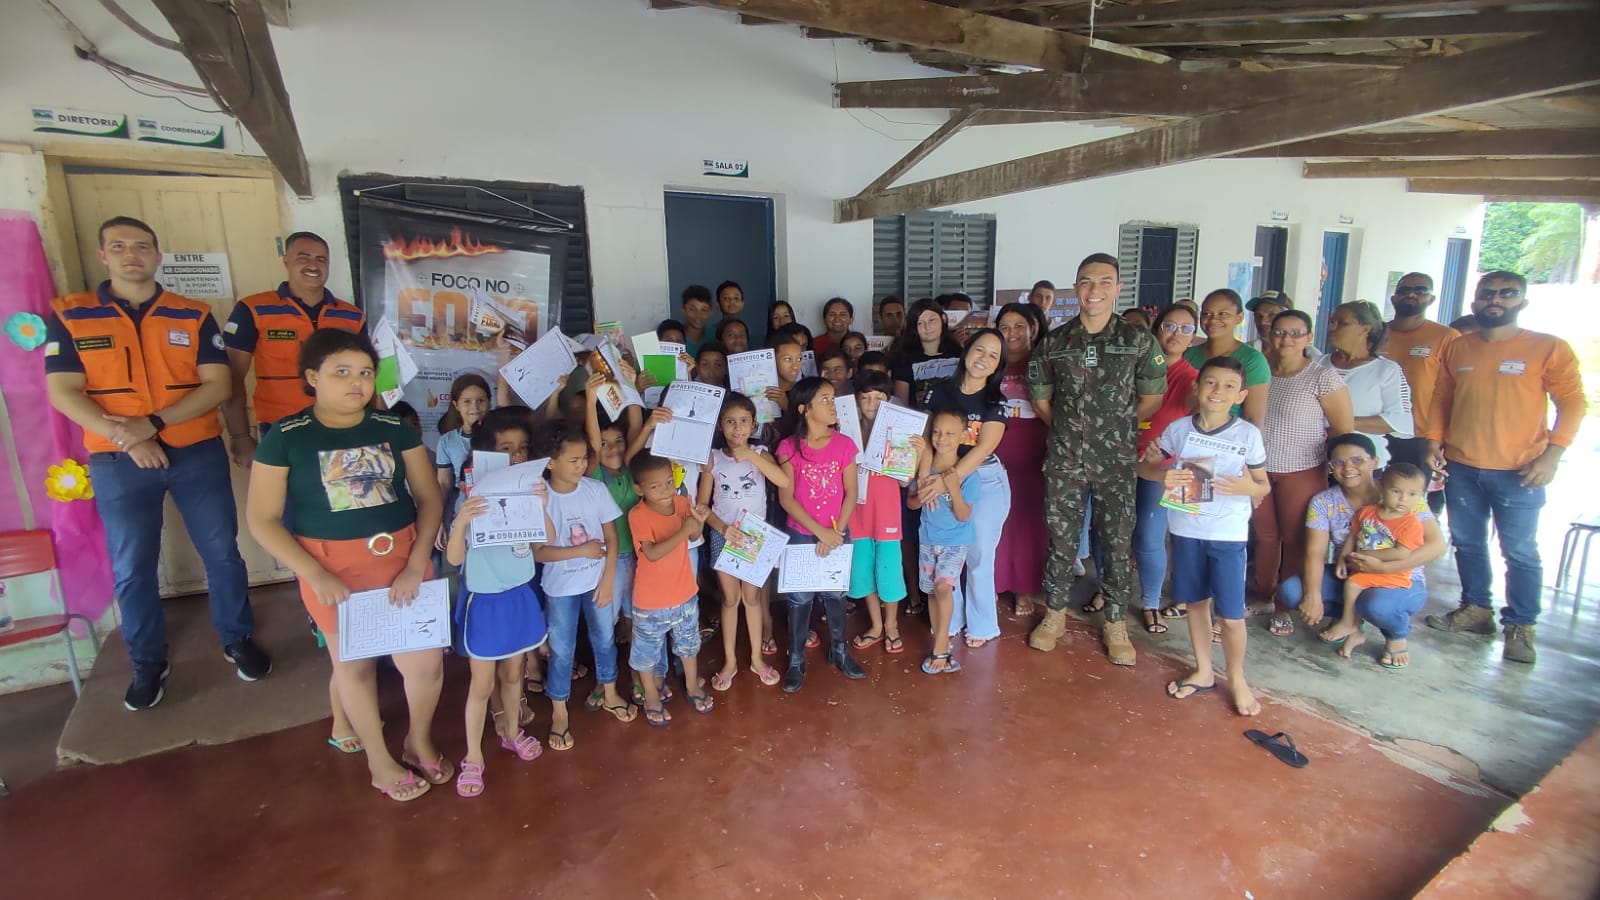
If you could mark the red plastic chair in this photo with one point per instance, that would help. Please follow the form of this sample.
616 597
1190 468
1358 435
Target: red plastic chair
28 553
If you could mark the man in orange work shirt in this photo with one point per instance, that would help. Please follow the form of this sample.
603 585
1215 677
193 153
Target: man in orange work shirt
142 370
1417 345
267 329
1489 412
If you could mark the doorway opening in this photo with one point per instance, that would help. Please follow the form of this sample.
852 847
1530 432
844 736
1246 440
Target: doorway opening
712 238
1453 286
1335 260
230 215
1272 258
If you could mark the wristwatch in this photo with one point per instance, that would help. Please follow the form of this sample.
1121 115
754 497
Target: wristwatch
156 422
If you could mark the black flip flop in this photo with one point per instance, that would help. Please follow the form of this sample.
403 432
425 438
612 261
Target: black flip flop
1195 689
1284 750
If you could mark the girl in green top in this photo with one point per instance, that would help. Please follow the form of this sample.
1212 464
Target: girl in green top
366 506
1221 314
608 444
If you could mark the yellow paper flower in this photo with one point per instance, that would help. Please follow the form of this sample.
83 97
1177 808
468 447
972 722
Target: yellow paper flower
68 481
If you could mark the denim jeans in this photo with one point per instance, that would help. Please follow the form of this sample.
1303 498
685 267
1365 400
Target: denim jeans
561 614
131 500
974 607
1388 609
1150 542
1472 496
651 628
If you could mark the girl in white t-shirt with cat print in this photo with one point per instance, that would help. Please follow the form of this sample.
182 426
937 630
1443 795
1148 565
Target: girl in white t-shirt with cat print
739 472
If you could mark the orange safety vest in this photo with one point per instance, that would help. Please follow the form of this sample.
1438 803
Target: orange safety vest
282 325
139 369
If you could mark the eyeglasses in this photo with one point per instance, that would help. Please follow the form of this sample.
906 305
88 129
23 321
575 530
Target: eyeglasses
1170 327
1280 333
1350 462
1411 289
1505 293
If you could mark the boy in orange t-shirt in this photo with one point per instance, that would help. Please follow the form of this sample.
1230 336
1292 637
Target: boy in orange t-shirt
665 595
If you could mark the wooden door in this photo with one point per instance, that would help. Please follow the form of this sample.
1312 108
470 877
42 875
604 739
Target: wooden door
191 214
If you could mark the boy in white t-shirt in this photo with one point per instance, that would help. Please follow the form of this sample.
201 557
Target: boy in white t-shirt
579 567
1213 465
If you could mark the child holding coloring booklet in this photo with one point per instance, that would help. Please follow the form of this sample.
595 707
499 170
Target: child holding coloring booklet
820 497
1209 536
498 615
740 472
877 574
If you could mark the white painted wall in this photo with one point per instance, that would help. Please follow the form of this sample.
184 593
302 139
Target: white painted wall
625 101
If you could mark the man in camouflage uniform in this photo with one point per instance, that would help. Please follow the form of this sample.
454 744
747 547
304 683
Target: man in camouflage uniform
1092 381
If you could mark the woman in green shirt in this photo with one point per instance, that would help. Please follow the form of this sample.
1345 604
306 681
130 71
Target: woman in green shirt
1221 314
363 488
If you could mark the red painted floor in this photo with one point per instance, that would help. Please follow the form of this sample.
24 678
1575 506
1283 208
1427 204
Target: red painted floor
1026 775
1547 845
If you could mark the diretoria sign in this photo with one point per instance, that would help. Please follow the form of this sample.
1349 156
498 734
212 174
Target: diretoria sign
116 125
76 121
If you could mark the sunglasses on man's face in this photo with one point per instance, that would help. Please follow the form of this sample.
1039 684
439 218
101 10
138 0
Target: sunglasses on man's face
1505 293
1411 289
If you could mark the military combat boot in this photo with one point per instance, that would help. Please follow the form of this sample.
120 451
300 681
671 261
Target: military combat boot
1118 648
1049 630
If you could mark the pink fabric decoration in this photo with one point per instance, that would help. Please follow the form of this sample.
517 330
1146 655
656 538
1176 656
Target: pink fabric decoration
80 541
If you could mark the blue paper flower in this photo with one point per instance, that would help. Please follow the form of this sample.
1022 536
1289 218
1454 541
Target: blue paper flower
26 330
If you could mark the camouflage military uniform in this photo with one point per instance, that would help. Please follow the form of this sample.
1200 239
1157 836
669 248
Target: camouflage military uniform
1093 382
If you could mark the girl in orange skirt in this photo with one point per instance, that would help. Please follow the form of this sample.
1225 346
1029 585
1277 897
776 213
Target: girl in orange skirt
363 489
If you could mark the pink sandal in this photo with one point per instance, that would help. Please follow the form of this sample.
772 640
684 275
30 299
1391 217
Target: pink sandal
437 772
410 781
768 675
526 746
470 782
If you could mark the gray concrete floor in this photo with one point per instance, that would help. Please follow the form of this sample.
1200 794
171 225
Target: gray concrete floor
1458 708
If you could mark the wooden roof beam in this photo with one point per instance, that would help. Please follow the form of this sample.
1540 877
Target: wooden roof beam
233 51
1192 12
921 151
1585 168
1510 188
923 24
1156 92
1520 142
1527 68
1385 28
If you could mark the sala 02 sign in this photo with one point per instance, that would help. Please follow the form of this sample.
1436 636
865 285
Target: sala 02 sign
726 168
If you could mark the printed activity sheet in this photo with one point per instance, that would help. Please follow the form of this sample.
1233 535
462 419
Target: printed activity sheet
687 437
889 449
751 374
536 372
617 394
752 561
395 366
484 462
515 515
850 426
808 364
804 570
369 625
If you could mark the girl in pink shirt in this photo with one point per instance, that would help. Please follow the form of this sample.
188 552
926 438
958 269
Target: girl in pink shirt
820 496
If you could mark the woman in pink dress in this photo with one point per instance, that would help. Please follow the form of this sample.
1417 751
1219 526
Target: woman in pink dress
1024 542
